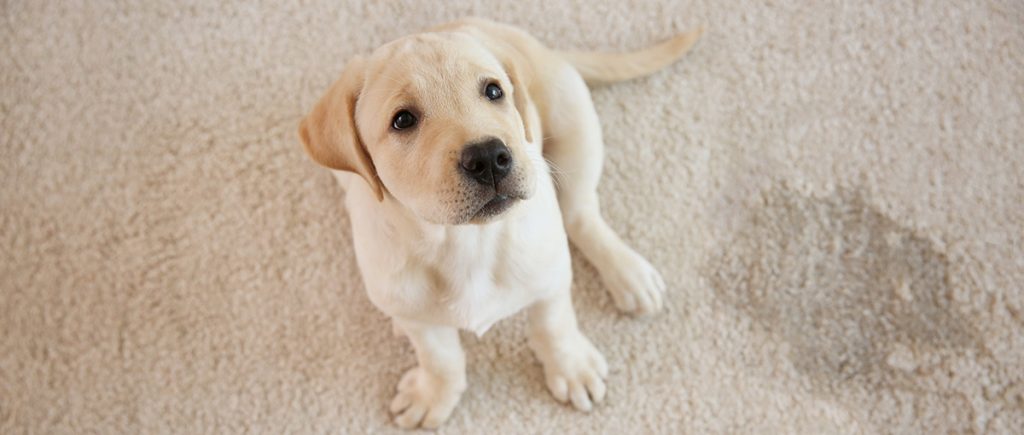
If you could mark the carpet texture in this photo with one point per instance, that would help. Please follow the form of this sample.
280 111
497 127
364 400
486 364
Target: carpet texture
833 192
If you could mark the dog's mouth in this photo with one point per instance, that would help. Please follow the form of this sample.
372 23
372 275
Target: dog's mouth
496 206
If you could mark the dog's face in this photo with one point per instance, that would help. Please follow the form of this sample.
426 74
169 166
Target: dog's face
434 119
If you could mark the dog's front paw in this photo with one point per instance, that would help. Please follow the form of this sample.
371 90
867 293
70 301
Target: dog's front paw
574 371
635 285
425 399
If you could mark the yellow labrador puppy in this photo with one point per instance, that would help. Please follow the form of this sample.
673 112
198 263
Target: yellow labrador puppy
443 142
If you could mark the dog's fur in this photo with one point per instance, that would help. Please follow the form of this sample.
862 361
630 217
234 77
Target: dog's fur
435 255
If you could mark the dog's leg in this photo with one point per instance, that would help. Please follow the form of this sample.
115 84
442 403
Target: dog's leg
427 393
573 368
576 149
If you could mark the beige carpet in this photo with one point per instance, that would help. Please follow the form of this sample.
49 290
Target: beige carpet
834 194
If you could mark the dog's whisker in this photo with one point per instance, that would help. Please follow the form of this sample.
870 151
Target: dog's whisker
558 175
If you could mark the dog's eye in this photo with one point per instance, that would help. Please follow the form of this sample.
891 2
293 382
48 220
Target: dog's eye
403 120
493 92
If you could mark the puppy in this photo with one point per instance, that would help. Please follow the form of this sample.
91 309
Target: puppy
446 142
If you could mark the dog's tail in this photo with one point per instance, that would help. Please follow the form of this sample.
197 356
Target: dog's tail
601 68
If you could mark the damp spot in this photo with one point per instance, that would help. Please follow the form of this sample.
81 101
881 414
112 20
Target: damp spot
857 298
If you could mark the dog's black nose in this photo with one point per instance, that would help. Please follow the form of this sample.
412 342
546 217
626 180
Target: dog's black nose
486 162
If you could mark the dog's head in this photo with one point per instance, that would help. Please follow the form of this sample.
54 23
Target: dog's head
436 121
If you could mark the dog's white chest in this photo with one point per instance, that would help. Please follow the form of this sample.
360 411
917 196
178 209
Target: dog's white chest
469 276
480 300
471 284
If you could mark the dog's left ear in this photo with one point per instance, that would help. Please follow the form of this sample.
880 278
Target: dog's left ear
520 77
329 132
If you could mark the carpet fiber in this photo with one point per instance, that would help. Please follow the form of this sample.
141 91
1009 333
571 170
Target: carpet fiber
833 193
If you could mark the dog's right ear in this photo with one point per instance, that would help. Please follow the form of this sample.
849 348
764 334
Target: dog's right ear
520 78
329 132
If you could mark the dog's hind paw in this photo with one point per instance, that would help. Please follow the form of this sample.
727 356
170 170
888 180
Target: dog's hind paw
635 285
